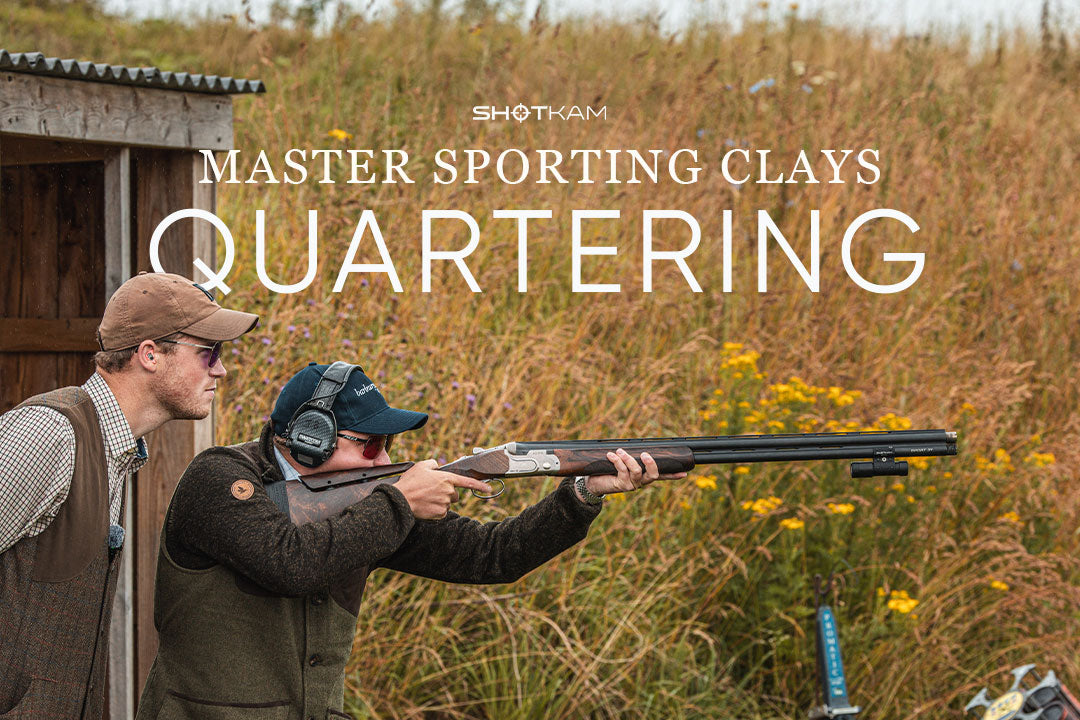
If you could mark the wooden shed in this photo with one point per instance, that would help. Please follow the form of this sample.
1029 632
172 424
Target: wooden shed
92 158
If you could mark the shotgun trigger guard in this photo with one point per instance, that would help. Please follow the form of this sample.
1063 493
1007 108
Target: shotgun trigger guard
502 486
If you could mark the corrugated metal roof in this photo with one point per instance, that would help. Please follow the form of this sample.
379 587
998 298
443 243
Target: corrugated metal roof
37 63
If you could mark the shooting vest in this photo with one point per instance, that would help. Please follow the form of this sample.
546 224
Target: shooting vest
56 589
231 650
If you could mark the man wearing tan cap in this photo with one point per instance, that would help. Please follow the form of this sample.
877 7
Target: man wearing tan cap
65 457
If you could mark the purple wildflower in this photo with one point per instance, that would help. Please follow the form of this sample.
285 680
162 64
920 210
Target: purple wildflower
368 334
346 342
471 400
455 385
291 328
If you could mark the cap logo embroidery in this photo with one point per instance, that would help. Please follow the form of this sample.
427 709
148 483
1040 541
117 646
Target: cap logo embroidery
366 388
242 489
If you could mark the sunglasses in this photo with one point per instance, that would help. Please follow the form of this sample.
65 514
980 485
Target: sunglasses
211 359
373 445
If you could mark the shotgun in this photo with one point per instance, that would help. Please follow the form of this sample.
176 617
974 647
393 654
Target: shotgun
324 495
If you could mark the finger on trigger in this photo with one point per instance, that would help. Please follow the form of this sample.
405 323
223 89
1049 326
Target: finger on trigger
471 483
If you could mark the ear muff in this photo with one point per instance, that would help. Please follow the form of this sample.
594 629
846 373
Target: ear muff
311 434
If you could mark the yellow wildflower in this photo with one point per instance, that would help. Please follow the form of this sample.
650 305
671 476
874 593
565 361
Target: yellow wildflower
1038 459
339 134
910 499
891 421
763 506
840 508
792 524
706 482
897 486
1010 516
901 602
742 470
684 505
967 408
999 585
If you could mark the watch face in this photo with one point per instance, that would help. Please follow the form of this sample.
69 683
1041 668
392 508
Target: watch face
1005 707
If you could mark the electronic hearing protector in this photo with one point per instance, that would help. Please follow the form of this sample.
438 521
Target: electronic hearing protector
311 434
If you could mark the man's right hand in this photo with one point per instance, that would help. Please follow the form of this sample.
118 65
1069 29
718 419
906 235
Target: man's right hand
431 492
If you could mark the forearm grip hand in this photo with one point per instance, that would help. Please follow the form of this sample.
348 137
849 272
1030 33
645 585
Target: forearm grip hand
431 492
629 474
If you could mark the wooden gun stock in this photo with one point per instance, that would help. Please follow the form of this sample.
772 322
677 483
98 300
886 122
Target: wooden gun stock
323 495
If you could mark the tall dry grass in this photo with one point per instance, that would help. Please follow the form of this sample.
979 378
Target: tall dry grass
682 603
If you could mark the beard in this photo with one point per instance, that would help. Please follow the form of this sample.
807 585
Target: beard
180 400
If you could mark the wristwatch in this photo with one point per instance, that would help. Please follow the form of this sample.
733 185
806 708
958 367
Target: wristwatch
583 491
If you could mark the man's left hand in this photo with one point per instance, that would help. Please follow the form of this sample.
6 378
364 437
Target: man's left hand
630 474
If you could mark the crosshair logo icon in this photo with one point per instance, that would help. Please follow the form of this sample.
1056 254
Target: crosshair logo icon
520 112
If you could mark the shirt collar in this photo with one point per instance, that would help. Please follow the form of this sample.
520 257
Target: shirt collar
287 470
120 445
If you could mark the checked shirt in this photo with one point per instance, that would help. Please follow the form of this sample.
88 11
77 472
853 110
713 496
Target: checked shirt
37 459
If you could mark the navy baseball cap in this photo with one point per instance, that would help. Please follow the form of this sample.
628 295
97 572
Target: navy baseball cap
359 406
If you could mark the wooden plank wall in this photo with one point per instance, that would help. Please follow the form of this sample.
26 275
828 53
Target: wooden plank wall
52 233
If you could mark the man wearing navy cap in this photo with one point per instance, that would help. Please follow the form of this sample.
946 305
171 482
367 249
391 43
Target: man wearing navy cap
257 614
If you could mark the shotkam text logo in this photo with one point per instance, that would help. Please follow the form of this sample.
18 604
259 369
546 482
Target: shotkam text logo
522 112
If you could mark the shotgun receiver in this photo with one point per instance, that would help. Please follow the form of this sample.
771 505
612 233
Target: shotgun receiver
324 495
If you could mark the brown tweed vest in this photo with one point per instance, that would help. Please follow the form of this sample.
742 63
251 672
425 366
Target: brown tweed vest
56 589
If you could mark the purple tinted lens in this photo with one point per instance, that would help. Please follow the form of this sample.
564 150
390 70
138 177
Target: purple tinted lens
215 355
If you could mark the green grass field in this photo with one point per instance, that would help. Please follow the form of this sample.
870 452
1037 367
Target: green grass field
691 600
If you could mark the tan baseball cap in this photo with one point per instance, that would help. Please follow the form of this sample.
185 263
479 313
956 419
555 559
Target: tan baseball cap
152 305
